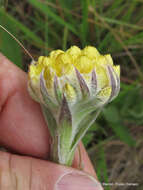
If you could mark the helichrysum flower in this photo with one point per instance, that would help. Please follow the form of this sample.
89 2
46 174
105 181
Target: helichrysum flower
72 87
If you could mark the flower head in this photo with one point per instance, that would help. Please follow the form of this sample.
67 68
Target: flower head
71 85
75 73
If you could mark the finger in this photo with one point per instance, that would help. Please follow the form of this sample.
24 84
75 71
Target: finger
22 127
20 173
82 161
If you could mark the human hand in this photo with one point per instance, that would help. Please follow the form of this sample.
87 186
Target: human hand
23 131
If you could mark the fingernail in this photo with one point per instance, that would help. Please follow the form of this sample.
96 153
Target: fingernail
77 181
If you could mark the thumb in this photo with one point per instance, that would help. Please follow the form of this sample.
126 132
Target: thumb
21 172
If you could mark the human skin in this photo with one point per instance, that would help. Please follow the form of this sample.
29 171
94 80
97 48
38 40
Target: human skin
25 134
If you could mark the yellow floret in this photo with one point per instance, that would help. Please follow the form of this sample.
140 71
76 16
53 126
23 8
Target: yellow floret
62 64
90 52
55 53
70 92
102 76
44 60
109 59
105 92
84 64
40 59
101 71
74 52
48 76
35 71
117 70
101 60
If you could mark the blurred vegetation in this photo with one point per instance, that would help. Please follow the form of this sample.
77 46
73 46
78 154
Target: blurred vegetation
113 26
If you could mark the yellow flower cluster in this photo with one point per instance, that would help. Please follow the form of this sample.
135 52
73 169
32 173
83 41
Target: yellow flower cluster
63 64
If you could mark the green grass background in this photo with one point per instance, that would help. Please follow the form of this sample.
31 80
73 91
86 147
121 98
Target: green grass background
113 26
